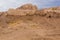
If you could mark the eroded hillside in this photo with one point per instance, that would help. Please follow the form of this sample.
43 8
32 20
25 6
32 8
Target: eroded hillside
29 23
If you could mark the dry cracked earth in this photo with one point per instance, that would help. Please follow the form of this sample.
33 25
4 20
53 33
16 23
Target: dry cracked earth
38 25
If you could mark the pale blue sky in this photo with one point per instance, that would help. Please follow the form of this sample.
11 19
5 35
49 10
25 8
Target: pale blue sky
6 4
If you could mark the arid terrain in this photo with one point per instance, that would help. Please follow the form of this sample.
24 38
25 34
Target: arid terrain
29 23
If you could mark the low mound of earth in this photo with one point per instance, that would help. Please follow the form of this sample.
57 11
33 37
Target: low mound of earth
29 23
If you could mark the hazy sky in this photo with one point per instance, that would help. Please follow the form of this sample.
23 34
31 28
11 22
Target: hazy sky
6 4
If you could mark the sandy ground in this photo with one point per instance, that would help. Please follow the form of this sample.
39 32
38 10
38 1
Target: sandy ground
32 28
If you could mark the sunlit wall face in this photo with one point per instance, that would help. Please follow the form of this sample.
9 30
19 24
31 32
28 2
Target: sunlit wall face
6 4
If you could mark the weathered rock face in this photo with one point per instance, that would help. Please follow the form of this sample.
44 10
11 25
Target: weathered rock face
28 7
50 12
23 10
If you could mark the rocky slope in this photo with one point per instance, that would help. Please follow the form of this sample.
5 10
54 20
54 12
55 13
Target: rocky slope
29 23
